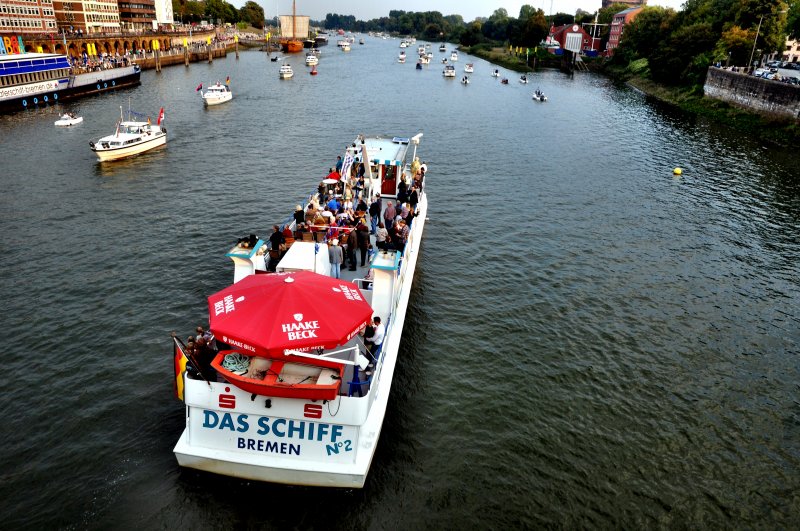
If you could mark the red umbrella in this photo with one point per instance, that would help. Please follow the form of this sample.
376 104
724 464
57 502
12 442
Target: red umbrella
265 315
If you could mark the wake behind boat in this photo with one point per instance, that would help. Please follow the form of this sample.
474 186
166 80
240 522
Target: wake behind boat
296 394
131 137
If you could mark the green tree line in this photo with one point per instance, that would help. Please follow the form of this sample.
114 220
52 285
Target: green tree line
218 10
679 46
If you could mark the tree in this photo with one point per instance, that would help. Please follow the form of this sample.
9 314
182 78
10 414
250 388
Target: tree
793 20
432 32
560 19
252 13
734 45
649 29
472 35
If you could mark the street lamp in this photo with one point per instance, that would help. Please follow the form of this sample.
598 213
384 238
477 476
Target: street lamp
750 63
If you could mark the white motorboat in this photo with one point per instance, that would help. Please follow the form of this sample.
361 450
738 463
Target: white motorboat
454 56
286 71
523 79
68 119
311 60
133 136
539 96
402 57
216 94
346 47
424 59
361 40
465 80
468 68
318 424
496 73
442 48
449 71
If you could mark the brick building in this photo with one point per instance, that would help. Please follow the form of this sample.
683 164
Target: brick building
27 16
137 15
87 17
618 27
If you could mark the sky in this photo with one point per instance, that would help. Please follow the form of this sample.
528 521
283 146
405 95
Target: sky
469 9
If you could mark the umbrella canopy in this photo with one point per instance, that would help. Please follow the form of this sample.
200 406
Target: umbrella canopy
265 315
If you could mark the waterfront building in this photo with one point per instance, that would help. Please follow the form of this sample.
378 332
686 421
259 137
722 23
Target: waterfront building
792 52
164 13
137 15
571 37
618 27
87 17
27 16
632 3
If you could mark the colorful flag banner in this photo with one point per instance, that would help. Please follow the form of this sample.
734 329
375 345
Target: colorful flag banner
199 87
160 116
228 80
346 165
179 364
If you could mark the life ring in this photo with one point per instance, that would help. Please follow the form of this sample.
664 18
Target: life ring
45 98
113 83
24 103
55 96
35 101
105 85
98 86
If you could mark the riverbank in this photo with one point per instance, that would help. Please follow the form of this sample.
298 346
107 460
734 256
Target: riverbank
778 131
519 63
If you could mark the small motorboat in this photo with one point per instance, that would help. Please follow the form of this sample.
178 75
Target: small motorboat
504 81
274 59
465 80
68 119
402 57
539 96
454 56
496 73
286 71
216 94
419 65
444 60
442 48
132 136
311 60
468 68
523 79
313 71
449 71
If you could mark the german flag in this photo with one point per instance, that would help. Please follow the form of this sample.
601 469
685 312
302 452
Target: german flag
179 360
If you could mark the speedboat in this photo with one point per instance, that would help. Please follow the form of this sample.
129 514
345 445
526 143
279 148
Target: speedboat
504 81
402 57
454 56
67 119
468 68
346 46
286 71
449 71
419 65
131 138
465 80
444 60
216 94
361 40
496 73
523 79
539 96
442 48
311 60
424 59
313 71
300 400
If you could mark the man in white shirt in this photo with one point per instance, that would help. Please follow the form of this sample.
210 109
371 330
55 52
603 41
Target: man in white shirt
376 340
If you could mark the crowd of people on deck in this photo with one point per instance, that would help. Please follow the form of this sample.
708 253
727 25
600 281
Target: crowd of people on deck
339 215
201 349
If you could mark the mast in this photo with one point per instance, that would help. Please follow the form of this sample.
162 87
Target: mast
294 22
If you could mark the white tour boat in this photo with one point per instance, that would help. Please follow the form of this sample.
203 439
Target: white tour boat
131 137
68 119
294 396
449 71
468 68
286 71
216 94
311 60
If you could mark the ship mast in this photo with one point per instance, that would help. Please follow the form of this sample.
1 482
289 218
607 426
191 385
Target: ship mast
294 22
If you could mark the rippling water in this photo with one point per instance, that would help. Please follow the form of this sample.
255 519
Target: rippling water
591 341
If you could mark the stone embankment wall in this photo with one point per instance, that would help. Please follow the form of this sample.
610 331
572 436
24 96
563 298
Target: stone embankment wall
761 95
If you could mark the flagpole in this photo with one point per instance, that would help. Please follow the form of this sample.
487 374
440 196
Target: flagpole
190 356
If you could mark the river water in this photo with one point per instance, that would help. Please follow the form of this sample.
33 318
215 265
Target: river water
591 342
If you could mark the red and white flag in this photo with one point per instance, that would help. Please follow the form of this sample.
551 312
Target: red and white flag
160 116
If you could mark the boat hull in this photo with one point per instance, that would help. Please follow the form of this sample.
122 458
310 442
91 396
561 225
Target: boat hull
106 155
72 88
216 100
